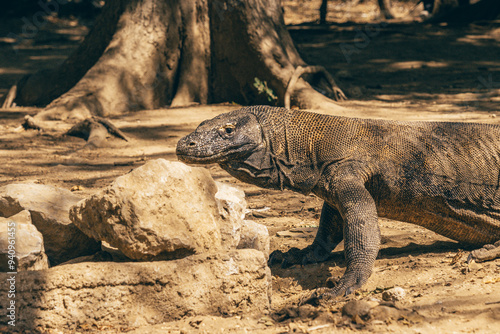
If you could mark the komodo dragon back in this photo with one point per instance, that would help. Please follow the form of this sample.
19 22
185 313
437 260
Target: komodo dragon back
440 175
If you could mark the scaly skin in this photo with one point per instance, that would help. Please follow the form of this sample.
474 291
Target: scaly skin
442 176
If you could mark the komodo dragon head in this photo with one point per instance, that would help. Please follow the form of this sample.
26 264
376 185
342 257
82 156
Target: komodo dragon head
228 137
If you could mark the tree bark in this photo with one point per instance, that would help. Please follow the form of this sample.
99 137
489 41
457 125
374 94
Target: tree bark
444 5
146 54
384 6
385 9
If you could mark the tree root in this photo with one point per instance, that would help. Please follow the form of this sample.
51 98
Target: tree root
94 130
301 70
9 98
31 124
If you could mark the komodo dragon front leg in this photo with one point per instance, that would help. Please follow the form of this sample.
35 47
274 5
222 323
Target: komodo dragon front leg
349 213
346 191
329 235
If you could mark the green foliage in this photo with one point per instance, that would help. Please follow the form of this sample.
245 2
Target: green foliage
262 88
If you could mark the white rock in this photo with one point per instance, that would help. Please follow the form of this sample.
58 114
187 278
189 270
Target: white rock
49 207
22 217
255 236
157 209
26 244
231 205
395 294
168 210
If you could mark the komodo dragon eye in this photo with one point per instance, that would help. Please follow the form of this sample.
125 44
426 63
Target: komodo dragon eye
227 131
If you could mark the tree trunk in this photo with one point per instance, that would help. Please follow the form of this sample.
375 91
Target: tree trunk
462 12
385 9
146 54
443 6
384 6
323 11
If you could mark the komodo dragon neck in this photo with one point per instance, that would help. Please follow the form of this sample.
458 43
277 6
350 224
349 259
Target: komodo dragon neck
291 158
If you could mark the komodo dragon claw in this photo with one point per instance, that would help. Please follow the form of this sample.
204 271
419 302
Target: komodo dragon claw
308 255
350 282
326 295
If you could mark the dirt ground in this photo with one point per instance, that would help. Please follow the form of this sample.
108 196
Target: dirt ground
396 70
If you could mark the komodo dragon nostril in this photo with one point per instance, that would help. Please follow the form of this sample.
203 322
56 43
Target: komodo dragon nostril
192 144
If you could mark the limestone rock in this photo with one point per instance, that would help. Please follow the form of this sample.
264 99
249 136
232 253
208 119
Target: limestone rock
394 294
162 209
255 236
23 217
140 293
27 247
231 205
168 210
49 207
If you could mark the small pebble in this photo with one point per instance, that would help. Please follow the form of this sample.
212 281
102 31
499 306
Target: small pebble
394 294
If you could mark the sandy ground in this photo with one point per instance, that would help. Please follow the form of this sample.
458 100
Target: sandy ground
395 70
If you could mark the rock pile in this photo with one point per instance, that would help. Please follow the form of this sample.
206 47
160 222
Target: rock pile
182 236
48 207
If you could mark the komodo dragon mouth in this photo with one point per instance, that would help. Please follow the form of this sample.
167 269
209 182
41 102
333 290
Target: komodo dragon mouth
202 159
191 152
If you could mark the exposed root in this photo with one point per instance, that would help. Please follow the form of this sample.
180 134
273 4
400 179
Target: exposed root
95 130
9 99
31 124
301 70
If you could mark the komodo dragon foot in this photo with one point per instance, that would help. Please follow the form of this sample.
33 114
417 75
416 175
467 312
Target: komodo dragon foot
329 235
346 285
310 254
487 253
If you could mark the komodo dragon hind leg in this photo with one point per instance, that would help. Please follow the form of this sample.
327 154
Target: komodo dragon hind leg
487 253
329 235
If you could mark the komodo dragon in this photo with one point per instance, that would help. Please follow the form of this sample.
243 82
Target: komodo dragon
442 176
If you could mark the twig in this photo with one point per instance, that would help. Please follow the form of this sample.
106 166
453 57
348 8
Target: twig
491 303
314 328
